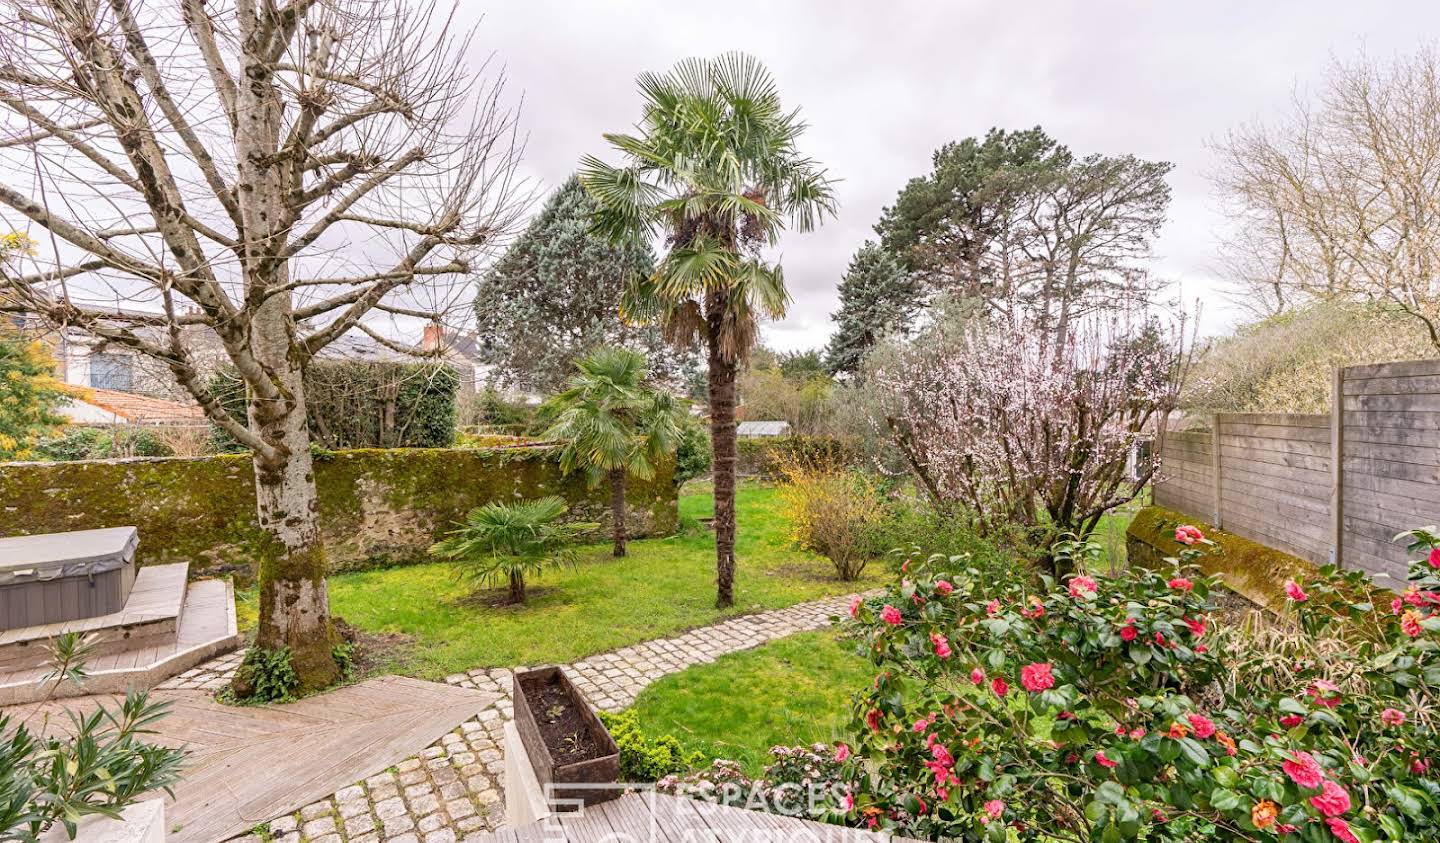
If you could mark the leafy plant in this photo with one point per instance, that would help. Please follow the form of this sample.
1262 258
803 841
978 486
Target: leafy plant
269 674
644 758
100 765
833 513
505 542
692 452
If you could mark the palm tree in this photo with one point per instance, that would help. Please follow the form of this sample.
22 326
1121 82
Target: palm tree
615 426
503 542
716 169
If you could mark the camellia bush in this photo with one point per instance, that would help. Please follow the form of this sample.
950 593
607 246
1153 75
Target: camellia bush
1122 708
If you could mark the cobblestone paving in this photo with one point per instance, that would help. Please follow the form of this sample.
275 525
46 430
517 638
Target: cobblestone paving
454 789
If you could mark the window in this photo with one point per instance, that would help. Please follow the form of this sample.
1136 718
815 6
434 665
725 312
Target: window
111 371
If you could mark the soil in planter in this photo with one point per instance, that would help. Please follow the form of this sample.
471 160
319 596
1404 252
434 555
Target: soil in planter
562 726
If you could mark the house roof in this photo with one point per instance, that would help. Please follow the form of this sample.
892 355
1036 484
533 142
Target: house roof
128 407
762 428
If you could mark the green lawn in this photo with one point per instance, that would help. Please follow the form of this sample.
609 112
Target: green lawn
663 587
792 691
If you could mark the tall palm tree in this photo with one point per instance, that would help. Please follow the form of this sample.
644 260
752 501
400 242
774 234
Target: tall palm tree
614 425
714 168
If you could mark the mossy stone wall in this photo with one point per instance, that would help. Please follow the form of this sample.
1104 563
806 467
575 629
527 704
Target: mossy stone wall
1249 568
377 506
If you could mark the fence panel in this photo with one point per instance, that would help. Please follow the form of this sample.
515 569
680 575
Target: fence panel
1335 486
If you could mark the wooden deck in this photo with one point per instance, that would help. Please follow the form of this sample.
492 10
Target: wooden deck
652 817
249 765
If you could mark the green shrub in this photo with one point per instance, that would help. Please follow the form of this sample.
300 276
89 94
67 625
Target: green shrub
693 455
646 759
835 513
506 542
270 675
95 443
915 529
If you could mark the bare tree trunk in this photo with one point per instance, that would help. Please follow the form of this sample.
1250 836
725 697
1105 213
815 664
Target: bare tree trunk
617 508
722 437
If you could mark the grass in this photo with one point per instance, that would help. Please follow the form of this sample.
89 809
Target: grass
792 691
665 586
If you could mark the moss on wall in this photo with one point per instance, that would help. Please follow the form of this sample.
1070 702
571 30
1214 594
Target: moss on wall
377 506
1249 568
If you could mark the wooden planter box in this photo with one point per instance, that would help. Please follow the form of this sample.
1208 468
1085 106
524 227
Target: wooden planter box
601 770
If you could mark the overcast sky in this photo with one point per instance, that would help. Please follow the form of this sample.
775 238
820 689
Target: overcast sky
883 84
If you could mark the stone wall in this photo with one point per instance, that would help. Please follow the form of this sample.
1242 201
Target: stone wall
377 507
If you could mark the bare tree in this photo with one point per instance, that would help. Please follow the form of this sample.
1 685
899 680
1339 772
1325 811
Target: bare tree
277 173
1339 199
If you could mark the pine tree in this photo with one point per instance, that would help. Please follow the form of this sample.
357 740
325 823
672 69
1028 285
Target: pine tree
555 294
877 297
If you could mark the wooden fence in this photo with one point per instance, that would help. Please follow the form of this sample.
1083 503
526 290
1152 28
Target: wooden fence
1335 487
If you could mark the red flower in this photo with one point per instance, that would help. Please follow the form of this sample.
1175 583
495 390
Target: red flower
1103 761
1127 632
855 605
1036 610
1137 733
1304 770
1177 731
1410 623
1202 725
1341 829
942 646
872 719
1392 717
1324 693
1332 801
977 676
992 608
1435 557
999 686
890 615
1181 584
1295 592
1290 721
944 587
1197 626
1037 677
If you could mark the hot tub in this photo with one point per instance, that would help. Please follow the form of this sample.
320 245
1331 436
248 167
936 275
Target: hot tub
56 577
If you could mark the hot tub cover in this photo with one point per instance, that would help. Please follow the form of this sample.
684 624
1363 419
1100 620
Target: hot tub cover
51 556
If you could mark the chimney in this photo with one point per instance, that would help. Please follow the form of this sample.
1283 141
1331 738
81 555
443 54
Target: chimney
431 339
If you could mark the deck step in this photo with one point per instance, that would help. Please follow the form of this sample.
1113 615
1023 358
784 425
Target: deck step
203 627
152 614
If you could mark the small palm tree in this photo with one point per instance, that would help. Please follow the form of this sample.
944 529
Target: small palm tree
715 168
614 425
504 542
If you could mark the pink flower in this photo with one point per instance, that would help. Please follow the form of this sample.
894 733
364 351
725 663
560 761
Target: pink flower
1202 725
872 719
1082 586
977 676
1324 693
1127 632
1037 677
842 752
1341 829
1434 557
944 587
942 755
1137 733
942 646
1181 584
992 608
1410 623
849 802
994 808
1290 721
999 686
1295 592
890 615
920 725
1188 535
1036 610
1103 761
1304 770
1397 606
1197 626
855 605
1332 801
1392 717
1160 639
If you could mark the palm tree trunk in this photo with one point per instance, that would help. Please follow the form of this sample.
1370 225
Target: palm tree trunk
617 507
722 437
517 587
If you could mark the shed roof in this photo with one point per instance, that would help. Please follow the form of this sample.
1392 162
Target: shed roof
762 428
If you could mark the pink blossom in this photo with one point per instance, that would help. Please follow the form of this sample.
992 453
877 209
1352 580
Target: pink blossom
1188 535
942 755
872 719
1341 829
1181 584
1324 693
1434 557
1137 733
999 686
994 808
1295 592
1103 761
842 752
1392 717
977 676
1082 586
1037 677
1197 626
1036 610
855 605
942 646
1397 606
849 802
1290 721
1410 623
944 587
1332 800
1202 725
992 608
920 725
1127 632
1304 770
890 615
